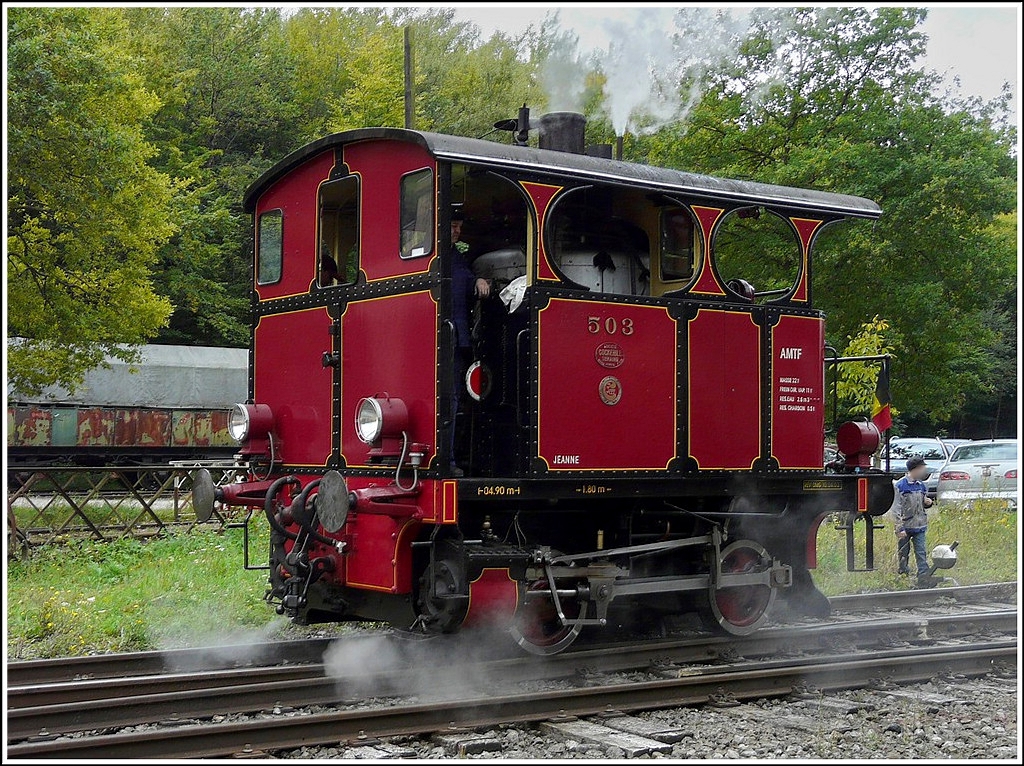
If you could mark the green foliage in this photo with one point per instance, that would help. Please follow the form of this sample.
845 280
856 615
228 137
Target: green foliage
465 84
225 78
187 589
856 381
321 43
85 596
376 96
86 212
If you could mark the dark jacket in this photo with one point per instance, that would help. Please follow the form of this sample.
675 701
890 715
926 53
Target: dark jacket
463 293
910 510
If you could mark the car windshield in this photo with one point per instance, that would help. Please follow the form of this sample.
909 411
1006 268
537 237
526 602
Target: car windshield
927 450
985 452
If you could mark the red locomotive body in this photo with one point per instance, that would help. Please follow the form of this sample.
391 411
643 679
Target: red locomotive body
618 431
603 370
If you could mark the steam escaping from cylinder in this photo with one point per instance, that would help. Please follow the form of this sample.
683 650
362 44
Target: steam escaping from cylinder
227 644
434 668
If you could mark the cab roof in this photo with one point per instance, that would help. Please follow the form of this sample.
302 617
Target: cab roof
475 151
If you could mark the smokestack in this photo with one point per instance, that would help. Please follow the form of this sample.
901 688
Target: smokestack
562 132
604 151
618 147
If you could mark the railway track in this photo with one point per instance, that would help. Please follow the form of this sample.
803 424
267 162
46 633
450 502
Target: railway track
741 681
1000 592
39 712
205 658
249 654
108 703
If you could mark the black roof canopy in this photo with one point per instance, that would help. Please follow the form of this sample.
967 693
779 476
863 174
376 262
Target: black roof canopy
581 167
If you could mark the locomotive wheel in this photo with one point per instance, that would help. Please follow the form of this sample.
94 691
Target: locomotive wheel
741 610
537 628
443 590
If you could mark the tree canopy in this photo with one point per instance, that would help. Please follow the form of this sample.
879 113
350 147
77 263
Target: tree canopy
138 231
86 209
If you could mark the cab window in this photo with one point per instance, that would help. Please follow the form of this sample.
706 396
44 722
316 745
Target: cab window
495 226
598 239
338 261
270 246
417 214
758 249
677 244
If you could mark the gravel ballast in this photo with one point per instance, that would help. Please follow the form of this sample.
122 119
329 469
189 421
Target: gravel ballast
941 719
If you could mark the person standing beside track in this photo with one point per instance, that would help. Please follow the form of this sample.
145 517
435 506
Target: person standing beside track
912 518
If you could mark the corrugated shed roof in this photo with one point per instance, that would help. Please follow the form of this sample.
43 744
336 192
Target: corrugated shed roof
201 377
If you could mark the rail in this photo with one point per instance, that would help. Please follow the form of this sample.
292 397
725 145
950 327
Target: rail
188 686
113 703
181 738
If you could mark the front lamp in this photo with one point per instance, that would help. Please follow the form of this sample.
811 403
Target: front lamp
378 417
369 420
250 421
238 423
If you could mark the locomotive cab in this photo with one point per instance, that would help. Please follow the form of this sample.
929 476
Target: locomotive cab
627 427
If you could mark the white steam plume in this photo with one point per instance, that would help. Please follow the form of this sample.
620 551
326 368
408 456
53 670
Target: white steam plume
441 667
564 74
658 68
656 72
640 69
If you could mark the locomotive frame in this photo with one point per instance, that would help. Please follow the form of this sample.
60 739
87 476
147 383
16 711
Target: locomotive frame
627 456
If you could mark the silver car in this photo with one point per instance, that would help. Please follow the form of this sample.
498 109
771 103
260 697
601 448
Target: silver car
933 451
981 470
952 444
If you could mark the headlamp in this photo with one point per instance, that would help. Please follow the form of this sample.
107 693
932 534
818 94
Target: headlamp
250 421
369 420
238 423
380 417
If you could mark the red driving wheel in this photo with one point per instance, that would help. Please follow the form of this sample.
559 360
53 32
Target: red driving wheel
742 609
537 628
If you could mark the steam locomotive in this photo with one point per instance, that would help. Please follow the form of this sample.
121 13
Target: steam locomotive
632 430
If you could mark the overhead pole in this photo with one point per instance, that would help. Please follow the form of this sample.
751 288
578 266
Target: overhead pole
410 104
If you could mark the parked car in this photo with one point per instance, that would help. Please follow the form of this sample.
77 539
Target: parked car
981 470
952 444
833 458
934 452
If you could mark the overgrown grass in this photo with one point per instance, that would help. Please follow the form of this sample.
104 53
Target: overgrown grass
191 589
988 536
102 513
129 595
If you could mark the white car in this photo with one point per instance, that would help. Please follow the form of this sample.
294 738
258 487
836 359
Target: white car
981 470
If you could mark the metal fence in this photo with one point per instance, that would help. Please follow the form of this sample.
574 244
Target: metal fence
47 504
